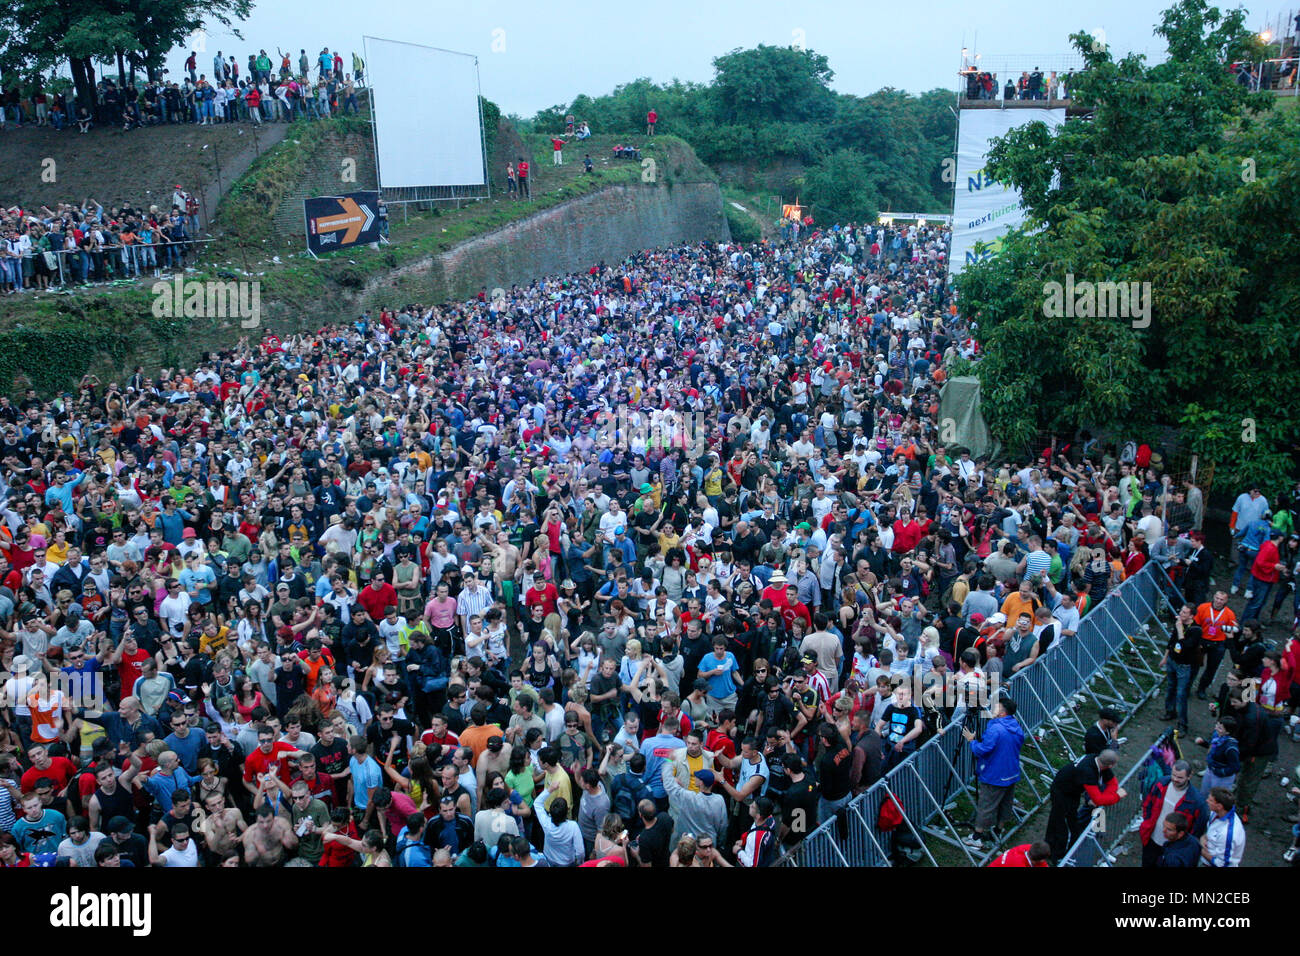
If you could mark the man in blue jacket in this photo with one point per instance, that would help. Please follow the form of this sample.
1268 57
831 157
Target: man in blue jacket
997 754
1181 849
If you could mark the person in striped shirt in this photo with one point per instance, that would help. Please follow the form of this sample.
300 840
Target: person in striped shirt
473 599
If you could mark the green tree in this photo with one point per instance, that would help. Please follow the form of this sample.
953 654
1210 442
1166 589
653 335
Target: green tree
1178 178
36 35
772 83
840 188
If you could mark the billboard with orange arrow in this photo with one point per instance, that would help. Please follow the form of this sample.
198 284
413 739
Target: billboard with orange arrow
335 222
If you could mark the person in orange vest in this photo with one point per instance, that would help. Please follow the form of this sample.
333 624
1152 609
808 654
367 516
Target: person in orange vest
1027 854
1218 622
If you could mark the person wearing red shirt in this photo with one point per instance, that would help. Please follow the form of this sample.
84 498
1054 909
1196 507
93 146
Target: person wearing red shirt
1264 573
377 596
907 535
544 593
720 742
58 769
271 756
794 608
438 733
650 119
1026 854
129 660
525 184
775 591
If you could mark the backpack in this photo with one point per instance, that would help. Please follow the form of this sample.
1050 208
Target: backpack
891 815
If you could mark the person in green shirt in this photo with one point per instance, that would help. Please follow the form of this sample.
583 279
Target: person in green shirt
520 776
309 818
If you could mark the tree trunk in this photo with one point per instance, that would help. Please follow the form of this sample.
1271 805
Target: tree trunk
121 70
83 82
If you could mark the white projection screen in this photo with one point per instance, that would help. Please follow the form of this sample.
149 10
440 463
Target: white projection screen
428 127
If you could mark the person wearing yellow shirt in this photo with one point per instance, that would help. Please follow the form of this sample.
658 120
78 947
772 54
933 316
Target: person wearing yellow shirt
713 481
56 552
556 780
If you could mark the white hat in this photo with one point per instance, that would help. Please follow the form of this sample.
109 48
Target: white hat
997 618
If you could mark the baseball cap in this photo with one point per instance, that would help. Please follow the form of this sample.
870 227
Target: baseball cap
807 659
495 742
705 777
646 488
120 824
467 569
977 618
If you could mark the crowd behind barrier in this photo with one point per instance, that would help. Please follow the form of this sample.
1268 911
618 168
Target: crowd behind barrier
926 784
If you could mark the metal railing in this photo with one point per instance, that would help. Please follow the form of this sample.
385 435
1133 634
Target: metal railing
1103 841
70 269
1101 664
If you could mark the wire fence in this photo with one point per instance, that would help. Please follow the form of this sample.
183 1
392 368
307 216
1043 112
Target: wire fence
1109 662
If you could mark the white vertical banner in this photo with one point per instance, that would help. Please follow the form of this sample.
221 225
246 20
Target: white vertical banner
985 210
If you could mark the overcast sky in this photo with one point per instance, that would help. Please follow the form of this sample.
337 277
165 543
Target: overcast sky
535 54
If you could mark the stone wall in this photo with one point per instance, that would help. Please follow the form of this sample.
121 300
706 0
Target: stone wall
605 225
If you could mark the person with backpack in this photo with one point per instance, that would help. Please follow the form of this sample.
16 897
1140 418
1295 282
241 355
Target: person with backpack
997 755
1223 761
411 848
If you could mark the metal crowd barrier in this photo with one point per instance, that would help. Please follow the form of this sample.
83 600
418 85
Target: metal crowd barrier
190 253
1112 649
1104 840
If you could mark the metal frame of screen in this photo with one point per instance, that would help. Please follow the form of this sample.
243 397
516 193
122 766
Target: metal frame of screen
396 195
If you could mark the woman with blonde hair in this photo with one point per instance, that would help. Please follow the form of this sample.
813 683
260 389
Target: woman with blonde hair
611 838
684 854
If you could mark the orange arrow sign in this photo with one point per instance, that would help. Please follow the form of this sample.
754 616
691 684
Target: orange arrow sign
354 219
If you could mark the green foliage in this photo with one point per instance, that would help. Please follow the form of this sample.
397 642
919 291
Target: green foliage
840 188
771 83
1179 178
774 103
743 227
491 123
36 35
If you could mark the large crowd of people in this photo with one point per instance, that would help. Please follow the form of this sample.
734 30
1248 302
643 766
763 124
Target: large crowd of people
85 244
658 564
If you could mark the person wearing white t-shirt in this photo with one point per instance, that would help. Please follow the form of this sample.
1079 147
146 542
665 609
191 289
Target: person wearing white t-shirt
182 854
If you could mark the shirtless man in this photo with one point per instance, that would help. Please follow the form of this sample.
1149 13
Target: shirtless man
222 827
267 839
505 559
